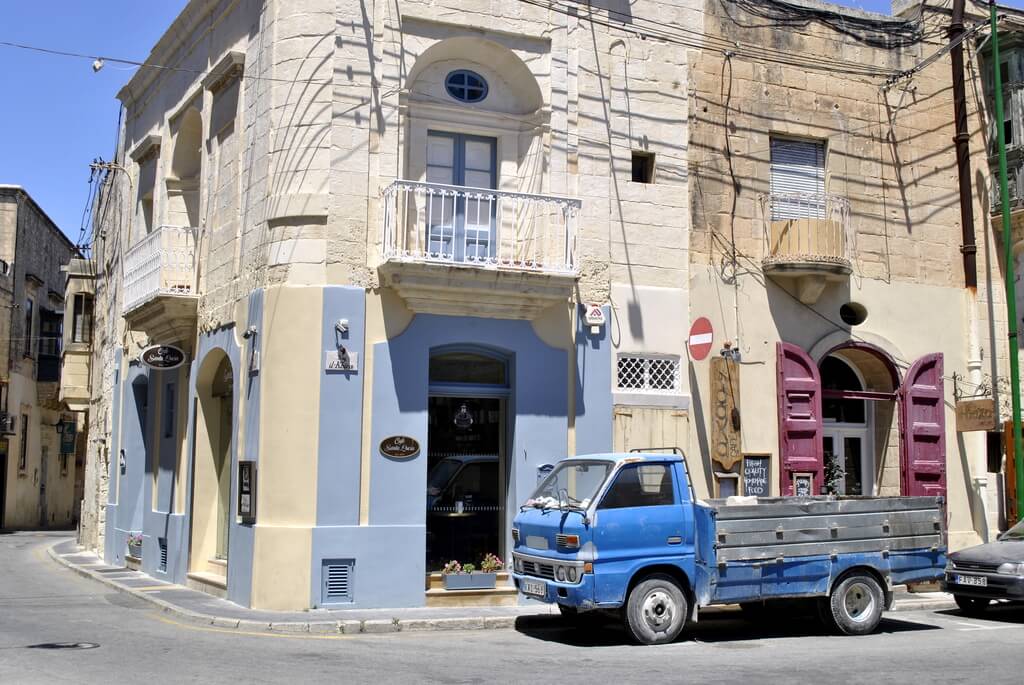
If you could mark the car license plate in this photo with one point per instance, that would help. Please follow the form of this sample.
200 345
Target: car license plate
979 581
535 587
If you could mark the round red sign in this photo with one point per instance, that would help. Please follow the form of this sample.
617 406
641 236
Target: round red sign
701 336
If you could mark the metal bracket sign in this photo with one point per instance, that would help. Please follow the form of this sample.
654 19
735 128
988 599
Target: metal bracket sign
975 415
163 357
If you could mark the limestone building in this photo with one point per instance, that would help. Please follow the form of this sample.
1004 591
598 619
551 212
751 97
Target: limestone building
363 272
39 472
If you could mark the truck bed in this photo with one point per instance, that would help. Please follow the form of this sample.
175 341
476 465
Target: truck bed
786 527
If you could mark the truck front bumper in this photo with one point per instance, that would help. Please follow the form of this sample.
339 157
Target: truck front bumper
579 594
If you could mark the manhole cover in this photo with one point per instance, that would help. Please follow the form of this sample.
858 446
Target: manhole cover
65 645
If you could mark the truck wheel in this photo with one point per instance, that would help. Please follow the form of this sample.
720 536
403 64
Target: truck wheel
855 605
656 610
972 606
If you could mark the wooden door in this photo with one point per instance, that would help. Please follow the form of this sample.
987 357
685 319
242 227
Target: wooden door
800 422
923 429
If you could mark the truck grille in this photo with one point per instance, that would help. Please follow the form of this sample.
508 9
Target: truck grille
533 568
964 565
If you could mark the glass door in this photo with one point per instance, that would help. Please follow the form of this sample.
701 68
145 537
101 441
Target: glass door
845 450
460 224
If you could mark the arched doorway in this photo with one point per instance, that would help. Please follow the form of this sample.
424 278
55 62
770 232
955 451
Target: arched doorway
211 494
860 435
185 169
466 469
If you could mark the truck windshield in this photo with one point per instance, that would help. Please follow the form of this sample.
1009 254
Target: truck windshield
579 481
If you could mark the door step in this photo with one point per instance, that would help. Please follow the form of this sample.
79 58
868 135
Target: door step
210 583
497 597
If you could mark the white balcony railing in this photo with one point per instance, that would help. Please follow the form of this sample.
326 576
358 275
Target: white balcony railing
493 229
162 263
807 229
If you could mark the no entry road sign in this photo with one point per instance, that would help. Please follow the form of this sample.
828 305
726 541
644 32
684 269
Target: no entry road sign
701 337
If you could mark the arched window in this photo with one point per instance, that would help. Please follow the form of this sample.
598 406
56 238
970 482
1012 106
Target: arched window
466 86
468 367
836 374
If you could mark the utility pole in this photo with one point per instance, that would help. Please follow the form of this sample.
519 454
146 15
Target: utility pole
1011 296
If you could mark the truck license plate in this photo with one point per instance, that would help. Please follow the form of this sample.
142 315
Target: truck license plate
535 587
979 581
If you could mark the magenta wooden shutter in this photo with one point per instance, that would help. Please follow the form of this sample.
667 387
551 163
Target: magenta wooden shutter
800 439
923 429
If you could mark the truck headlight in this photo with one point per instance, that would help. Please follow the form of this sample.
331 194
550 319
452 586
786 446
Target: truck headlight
572 574
560 574
517 564
1011 569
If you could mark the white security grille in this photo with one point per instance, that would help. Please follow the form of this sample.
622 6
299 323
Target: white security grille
337 580
648 374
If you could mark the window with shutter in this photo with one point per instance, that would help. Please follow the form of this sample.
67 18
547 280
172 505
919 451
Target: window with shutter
798 179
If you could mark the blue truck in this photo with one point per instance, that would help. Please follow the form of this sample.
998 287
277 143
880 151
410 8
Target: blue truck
624 533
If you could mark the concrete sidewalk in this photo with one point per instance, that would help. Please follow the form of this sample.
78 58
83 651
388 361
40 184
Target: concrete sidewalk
196 607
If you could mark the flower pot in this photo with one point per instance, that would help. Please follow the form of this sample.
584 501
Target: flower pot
470 581
135 551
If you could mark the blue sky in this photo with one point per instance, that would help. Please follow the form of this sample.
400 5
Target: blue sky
64 115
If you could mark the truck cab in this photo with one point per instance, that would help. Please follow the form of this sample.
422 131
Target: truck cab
636 508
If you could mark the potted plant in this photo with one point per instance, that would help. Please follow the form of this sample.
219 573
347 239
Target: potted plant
135 545
465 576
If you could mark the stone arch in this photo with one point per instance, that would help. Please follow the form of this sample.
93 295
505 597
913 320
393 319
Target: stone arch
212 465
186 166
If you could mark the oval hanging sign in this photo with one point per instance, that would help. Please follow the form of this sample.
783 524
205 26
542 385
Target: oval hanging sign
399 447
163 357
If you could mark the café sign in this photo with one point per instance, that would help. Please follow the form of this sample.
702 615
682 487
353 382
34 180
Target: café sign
399 447
975 415
163 357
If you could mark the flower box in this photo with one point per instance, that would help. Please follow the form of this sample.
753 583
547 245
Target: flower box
135 551
470 581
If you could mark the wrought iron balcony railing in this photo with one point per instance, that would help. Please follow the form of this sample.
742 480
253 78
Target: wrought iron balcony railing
478 227
162 263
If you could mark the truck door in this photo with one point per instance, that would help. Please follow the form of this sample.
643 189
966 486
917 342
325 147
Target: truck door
639 521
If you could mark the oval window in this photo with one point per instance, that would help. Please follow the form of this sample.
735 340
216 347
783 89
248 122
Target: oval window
466 86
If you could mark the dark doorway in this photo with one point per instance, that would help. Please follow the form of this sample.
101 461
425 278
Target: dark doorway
465 482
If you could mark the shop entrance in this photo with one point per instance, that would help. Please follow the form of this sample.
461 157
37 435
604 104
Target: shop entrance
466 480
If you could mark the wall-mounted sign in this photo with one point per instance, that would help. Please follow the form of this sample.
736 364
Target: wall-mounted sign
803 484
247 491
755 474
976 415
700 339
725 403
163 357
595 315
399 447
67 437
341 360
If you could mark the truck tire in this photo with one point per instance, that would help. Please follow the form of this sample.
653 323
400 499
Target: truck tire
656 610
855 605
971 606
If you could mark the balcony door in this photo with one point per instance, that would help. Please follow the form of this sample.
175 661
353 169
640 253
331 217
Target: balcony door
460 223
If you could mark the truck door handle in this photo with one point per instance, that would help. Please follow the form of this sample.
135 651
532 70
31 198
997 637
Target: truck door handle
675 540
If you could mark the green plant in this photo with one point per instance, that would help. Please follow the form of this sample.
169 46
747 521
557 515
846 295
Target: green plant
134 539
468 568
491 563
451 568
834 473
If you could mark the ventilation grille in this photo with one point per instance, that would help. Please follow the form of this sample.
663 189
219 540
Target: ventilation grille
163 554
648 374
337 580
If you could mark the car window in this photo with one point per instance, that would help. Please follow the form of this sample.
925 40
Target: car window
640 485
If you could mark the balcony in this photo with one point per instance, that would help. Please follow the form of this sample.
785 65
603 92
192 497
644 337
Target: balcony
160 296
474 251
808 240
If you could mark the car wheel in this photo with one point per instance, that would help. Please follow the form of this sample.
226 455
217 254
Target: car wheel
656 610
855 605
972 606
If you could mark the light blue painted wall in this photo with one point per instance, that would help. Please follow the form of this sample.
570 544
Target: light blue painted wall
134 481
593 386
390 552
341 412
161 523
110 547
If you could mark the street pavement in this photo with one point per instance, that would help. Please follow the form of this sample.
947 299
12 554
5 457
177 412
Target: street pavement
56 626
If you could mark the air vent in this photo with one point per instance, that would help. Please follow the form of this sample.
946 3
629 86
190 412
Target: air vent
337 580
163 554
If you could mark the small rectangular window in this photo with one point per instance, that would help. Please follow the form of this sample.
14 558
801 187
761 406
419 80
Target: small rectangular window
29 347
64 463
82 321
23 456
641 485
643 167
649 374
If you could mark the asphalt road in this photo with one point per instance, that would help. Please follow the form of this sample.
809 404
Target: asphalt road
56 626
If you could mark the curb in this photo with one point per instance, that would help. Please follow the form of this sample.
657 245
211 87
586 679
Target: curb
335 627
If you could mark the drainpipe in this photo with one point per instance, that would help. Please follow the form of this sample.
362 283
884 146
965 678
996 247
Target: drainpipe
975 443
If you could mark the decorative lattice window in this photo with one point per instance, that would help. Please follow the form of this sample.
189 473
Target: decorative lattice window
648 374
